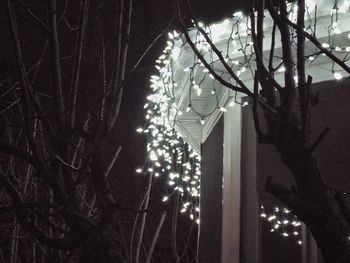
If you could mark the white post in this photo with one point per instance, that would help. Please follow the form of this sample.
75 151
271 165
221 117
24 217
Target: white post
309 247
231 186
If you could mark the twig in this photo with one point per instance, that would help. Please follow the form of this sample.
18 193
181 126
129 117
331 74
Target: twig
148 49
34 17
134 229
55 63
244 88
13 150
260 63
10 106
155 237
111 164
118 93
206 64
70 166
143 222
257 125
77 61
38 234
174 228
77 148
321 136
287 99
319 46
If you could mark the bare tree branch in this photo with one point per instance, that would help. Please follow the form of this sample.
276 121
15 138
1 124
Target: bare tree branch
34 17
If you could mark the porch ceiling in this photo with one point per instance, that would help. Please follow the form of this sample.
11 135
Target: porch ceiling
207 105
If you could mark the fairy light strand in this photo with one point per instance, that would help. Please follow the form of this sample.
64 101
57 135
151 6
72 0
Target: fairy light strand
168 154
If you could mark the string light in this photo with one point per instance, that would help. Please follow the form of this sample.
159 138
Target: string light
282 221
167 150
337 75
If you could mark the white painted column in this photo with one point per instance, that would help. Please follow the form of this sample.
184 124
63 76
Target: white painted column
309 248
231 186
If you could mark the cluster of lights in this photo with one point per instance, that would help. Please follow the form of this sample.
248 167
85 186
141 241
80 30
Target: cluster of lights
239 51
283 222
168 154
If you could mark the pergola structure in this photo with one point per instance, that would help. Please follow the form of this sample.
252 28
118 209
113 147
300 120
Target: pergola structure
187 101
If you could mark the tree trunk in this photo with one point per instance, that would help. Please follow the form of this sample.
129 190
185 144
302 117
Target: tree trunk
310 199
320 211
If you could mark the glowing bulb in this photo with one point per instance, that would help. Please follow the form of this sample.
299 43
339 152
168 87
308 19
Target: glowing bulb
153 156
139 130
165 198
223 109
139 170
295 79
337 75
238 14
281 69
271 218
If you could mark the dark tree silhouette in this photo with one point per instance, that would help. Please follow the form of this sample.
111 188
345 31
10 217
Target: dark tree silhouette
59 107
